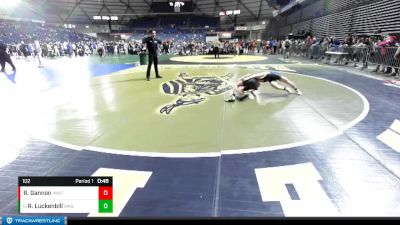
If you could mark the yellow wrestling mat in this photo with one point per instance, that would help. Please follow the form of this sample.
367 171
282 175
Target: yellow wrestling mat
221 59
186 115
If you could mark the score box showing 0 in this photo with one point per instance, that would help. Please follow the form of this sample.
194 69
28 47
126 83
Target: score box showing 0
65 194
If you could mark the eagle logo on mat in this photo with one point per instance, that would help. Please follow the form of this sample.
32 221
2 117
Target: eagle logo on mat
194 90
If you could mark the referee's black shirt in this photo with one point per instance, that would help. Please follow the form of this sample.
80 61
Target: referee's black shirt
3 47
152 44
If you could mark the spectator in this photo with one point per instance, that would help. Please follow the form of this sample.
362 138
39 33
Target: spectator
5 57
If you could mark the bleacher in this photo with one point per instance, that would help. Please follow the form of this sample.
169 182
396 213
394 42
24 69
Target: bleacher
180 21
145 22
17 31
201 21
313 11
174 21
377 15
178 28
177 34
339 18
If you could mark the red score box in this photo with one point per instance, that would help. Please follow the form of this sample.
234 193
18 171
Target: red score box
105 193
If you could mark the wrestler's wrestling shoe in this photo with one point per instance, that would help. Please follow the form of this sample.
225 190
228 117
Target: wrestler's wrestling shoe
231 98
243 97
288 90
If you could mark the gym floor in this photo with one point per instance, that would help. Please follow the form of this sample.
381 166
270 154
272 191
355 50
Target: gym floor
177 149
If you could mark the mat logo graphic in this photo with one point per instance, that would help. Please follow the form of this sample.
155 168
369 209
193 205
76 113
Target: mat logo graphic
393 83
194 90
9 220
297 188
391 137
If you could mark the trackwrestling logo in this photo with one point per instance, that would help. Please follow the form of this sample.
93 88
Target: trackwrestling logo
194 90
34 220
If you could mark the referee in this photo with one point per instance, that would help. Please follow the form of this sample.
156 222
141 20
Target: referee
216 48
152 46
5 57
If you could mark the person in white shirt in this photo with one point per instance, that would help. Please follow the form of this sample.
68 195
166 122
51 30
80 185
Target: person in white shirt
286 48
38 52
100 49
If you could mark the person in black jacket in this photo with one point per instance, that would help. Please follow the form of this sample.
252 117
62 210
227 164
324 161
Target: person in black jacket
5 57
152 47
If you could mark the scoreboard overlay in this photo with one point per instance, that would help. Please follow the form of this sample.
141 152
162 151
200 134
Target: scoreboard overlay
65 194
